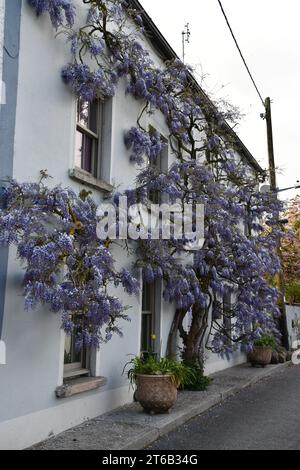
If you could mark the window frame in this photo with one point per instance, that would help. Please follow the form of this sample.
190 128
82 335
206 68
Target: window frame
76 369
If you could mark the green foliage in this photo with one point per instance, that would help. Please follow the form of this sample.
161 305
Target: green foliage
151 365
196 381
292 293
296 225
266 341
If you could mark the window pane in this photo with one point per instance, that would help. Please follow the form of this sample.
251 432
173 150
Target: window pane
146 301
93 117
158 162
87 115
87 154
227 301
227 312
147 317
161 164
227 324
86 148
217 310
83 111
71 354
84 151
155 196
78 148
146 342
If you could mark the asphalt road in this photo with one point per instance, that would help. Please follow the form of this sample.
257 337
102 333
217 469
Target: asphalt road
264 417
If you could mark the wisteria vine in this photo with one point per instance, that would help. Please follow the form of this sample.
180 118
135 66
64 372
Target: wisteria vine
206 171
66 267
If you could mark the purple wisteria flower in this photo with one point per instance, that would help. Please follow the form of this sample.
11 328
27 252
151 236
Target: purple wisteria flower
204 170
61 11
66 267
144 144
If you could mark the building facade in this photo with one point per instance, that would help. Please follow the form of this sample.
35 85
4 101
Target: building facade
40 128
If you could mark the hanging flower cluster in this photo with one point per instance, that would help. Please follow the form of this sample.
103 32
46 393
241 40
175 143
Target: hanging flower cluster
144 144
66 267
207 171
61 11
89 84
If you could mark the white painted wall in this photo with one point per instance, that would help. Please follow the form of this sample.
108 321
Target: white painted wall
44 139
214 362
2 101
293 322
25 430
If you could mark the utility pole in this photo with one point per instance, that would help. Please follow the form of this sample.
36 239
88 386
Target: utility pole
272 168
273 187
185 38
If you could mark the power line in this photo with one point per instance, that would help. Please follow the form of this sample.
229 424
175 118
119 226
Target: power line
240 52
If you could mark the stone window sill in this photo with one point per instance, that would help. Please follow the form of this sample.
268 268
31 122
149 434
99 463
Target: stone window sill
79 385
75 373
86 178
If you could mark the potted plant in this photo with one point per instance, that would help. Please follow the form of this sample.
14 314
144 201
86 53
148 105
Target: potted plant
157 381
262 352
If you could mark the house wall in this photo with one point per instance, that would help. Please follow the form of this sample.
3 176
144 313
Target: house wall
214 363
44 139
9 55
293 323
2 97
2 14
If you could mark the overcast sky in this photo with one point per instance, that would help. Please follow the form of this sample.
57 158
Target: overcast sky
268 33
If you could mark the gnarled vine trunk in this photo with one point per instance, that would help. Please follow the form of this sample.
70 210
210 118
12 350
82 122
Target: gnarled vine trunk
192 352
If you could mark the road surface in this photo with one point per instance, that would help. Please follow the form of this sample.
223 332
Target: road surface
265 417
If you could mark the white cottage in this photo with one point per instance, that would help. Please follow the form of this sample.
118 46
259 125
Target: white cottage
40 129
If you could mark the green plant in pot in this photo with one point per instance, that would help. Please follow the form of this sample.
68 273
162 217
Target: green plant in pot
157 381
262 351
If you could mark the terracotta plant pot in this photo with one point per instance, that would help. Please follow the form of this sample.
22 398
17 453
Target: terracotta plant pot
261 356
156 393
